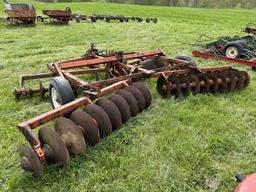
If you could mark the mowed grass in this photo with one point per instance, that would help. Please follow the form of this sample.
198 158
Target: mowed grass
198 144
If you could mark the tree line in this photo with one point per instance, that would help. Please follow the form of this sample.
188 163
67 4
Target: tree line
193 3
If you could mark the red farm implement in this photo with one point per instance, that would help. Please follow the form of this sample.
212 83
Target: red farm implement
56 16
21 14
119 93
241 50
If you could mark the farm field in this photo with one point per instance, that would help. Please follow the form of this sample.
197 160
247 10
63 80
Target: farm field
198 144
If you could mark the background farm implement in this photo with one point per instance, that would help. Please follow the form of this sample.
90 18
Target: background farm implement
241 50
119 94
20 14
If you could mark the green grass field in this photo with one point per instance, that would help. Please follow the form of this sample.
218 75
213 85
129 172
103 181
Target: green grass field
198 144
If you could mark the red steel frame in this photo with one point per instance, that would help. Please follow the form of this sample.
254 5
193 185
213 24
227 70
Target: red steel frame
203 53
100 87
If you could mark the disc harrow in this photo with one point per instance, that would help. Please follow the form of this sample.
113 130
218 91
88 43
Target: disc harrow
105 104
179 86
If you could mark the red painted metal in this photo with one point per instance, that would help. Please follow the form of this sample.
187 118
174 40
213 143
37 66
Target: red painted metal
204 54
248 184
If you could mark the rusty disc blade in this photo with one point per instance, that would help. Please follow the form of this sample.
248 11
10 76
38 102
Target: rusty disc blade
29 161
103 121
239 79
145 91
204 83
71 134
175 86
194 83
139 97
231 80
122 105
89 125
162 87
59 150
213 82
113 112
246 78
184 85
131 100
223 79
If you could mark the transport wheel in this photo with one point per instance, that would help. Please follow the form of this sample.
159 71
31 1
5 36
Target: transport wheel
233 49
131 100
113 112
40 19
151 64
71 134
60 92
184 85
223 85
163 87
175 87
145 91
239 79
213 81
122 106
194 83
231 80
206 87
185 58
57 151
246 78
103 121
89 126
29 161
138 96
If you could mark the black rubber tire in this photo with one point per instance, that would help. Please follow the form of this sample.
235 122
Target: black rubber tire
145 91
63 89
131 100
122 105
113 112
88 124
138 96
40 19
151 64
185 58
235 44
104 123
